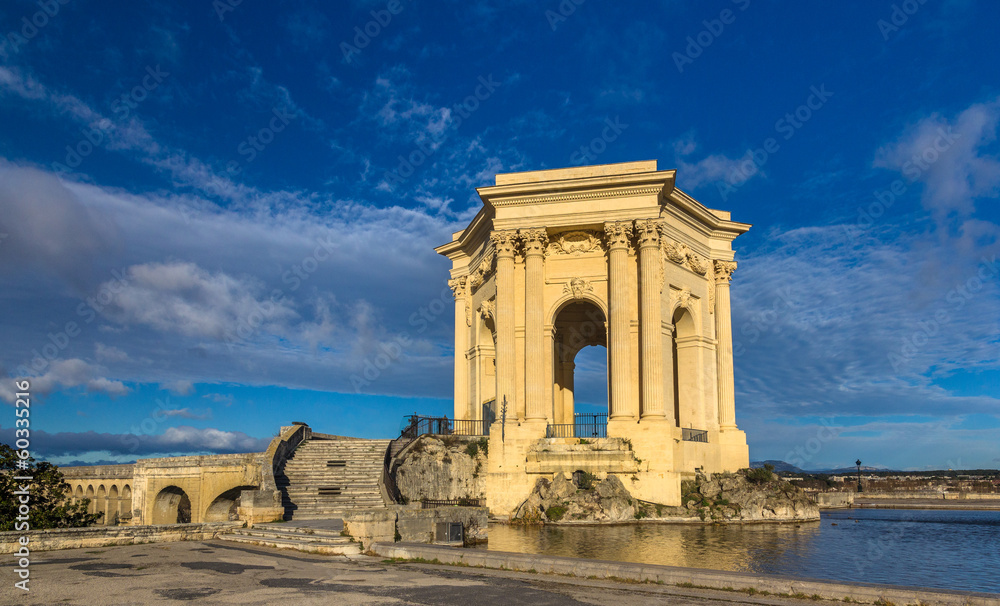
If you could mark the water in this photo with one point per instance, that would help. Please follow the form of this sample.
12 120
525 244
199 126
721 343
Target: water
943 549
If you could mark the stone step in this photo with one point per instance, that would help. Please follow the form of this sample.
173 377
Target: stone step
297 544
309 535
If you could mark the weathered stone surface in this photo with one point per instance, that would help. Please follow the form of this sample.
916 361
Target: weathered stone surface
440 468
729 497
563 500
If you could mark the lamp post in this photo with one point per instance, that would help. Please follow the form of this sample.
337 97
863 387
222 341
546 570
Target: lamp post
858 463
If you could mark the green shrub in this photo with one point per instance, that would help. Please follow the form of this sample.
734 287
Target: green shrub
585 480
760 475
555 513
472 449
484 445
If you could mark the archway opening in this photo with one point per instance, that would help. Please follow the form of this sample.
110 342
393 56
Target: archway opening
101 505
112 512
171 506
224 507
90 499
78 495
685 370
126 507
580 373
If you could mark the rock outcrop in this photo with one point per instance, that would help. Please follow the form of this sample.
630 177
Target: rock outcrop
726 497
442 468
585 500
755 496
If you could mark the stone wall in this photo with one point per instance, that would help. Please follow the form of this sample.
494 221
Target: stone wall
413 525
442 468
75 538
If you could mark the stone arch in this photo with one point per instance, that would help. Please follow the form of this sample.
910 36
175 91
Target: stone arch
91 503
171 506
686 369
112 512
485 366
223 507
78 493
568 299
579 322
101 504
125 511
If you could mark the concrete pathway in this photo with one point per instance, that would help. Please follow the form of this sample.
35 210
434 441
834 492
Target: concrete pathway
215 572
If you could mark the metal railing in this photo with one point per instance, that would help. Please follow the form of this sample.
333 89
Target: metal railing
443 426
694 435
587 425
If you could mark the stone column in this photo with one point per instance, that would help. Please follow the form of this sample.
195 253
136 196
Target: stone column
724 348
504 241
650 330
534 241
463 407
618 235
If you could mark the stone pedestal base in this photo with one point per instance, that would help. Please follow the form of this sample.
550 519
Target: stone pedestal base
260 507
733 450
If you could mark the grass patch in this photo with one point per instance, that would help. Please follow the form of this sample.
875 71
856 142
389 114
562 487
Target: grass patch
555 513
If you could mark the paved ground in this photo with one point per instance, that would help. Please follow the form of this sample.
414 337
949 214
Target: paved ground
214 572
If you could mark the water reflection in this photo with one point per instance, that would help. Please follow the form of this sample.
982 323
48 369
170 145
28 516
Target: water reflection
752 548
945 549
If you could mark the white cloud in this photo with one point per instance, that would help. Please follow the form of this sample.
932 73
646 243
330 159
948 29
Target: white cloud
180 387
66 374
109 353
714 168
947 156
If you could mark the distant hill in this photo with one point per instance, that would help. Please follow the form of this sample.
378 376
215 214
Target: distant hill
783 467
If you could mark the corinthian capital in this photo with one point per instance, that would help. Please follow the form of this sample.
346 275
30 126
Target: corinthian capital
724 271
534 240
618 234
457 286
505 241
648 232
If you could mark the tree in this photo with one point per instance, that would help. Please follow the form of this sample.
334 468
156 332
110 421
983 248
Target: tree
48 499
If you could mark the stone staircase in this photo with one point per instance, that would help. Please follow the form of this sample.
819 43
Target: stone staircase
325 478
325 539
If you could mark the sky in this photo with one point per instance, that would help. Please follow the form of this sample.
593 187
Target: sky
217 218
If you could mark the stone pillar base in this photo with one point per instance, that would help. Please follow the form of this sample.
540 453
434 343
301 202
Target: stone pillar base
260 507
733 450
507 482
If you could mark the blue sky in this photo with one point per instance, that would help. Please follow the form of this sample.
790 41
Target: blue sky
214 219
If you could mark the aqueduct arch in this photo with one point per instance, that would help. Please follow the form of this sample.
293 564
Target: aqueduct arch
171 506
622 239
